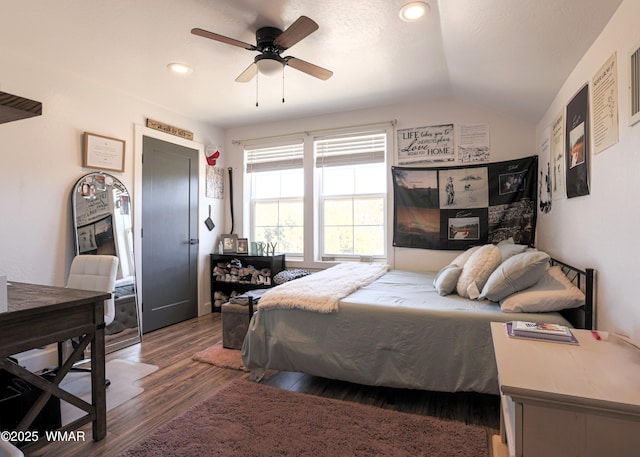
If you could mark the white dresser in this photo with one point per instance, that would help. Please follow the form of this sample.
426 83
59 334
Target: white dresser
564 400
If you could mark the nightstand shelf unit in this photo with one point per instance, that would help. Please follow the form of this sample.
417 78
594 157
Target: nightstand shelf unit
257 272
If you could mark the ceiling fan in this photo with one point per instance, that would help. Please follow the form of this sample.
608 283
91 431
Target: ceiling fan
270 43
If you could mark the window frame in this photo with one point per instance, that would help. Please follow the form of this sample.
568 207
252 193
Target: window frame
313 211
290 159
351 160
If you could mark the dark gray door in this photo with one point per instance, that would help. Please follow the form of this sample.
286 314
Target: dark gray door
169 234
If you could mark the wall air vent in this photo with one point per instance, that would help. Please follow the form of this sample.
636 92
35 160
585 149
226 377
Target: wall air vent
13 108
634 92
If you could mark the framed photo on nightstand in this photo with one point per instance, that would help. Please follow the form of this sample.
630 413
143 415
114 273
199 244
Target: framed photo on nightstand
229 244
243 246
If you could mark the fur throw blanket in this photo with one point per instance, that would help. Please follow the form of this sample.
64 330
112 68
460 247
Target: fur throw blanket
322 291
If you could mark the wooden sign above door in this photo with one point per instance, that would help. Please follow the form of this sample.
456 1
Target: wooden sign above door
157 125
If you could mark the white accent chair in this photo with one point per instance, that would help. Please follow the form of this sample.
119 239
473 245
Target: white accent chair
94 272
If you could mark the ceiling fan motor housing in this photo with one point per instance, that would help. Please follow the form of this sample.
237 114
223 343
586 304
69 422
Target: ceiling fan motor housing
265 37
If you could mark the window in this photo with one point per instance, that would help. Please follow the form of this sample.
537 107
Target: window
277 196
319 198
352 178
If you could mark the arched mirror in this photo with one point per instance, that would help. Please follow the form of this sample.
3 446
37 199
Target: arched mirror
102 219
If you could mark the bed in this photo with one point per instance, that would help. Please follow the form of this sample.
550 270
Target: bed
398 331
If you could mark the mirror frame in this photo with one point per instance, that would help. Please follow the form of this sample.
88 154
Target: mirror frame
103 224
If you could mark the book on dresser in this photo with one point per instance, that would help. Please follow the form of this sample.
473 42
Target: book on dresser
541 331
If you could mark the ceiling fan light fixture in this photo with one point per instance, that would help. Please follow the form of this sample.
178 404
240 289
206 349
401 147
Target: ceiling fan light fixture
180 68
269 67
414 11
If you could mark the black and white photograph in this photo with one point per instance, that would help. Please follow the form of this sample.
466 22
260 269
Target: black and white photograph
86 239
515 220
473 143
97 238
463 188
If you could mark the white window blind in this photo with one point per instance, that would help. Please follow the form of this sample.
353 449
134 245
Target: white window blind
350 150
272 158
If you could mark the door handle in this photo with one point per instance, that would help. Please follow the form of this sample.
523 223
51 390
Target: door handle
193 241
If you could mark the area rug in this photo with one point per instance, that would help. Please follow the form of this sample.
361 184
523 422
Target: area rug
123 375
221 357
249 419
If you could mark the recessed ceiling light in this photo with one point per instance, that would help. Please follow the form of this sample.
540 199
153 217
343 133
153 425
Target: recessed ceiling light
414 11
180 68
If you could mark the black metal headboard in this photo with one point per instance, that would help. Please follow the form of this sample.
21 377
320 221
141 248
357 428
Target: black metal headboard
582 317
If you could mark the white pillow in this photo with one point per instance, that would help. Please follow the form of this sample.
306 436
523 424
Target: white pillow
552 292
446 279
463 257
508 248
515 274
477 270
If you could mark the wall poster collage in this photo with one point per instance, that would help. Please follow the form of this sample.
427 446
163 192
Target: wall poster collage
456 207
586 125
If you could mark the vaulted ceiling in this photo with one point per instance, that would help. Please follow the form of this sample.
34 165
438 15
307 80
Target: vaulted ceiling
507 55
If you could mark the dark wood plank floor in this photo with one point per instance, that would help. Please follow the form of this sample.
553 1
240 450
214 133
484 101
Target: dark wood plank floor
180 383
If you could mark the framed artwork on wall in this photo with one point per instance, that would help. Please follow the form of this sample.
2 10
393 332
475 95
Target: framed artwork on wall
577 134
103 152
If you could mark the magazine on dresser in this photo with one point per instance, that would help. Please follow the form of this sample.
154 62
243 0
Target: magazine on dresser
541 331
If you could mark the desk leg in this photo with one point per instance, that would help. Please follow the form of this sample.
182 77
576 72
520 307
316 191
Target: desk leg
98 381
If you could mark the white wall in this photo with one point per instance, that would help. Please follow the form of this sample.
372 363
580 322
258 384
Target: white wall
510 138
601 230
41 159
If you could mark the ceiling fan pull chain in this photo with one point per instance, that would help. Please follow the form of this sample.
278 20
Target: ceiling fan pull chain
283 84
256 90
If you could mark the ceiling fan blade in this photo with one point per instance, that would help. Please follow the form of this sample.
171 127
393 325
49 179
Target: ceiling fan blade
248 74
301 28
309 68
223 39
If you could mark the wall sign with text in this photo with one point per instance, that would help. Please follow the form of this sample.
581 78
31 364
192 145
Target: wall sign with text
426 145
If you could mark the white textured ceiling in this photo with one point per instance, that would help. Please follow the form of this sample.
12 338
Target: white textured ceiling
508 55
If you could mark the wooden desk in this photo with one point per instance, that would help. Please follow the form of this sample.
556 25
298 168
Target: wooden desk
564 400
40 315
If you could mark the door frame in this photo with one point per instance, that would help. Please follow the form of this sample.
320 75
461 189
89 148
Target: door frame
140 132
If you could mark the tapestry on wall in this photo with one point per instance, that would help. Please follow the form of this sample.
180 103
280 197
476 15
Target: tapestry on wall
462 206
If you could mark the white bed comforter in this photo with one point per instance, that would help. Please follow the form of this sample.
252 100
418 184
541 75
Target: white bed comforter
321 292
